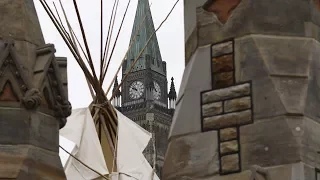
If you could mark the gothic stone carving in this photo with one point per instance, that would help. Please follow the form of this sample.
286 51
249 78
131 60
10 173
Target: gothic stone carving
43 88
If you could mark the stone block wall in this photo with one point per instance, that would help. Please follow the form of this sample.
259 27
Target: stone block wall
227 107
253 66
33 96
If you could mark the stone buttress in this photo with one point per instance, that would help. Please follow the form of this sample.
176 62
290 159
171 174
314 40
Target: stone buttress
248 106
33 96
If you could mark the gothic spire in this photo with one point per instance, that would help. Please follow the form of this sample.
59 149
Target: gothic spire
151 55
172 93
115 85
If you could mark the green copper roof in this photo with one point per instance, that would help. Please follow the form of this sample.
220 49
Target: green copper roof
151 56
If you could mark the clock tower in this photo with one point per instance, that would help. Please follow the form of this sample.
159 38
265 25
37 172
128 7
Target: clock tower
144 93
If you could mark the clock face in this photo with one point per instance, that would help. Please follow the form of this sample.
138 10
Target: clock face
156 91
136 90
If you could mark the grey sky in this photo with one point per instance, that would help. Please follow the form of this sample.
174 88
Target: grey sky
170 37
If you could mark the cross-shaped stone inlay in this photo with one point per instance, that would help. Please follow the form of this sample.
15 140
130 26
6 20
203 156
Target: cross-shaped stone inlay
226 107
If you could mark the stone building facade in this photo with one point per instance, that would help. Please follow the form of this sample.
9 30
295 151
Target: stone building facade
252 67
33 96
144 93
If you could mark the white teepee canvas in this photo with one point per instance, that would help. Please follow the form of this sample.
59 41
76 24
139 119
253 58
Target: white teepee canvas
79 137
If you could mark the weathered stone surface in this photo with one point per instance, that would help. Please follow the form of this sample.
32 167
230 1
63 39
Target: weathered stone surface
26 52
29 162
182 159
190 17
237 104
206 17
292 92
190 123
309 172
190 90
228 134
222 80
222 48
270 98
212 109
230 163
310 143
294 171
32 128
246 19
226 93
222 8
313 97
276 137
191 46
229 147
196 70
222 63
227 120
29 134
22 26
317 4
284 55
7 93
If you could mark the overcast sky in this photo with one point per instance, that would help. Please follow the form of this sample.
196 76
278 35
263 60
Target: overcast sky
170 37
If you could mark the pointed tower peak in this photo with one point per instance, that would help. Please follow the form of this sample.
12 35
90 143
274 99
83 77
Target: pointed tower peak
115 85
142 30
172 93
19 21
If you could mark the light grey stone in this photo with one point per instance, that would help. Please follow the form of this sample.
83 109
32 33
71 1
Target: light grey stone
309 172
212 109
229 147
228 134
313 97
276 137
271 97
230 163
197 74
292 92
185 121
221 49
226 93
196 78
310 143
285 56
237 104
205 17
191 46
227 120
190 18
183 159
246 19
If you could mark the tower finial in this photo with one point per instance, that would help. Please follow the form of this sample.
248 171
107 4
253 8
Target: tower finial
172 93
115 85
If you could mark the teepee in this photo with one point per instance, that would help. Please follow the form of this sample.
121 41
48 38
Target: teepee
104 116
